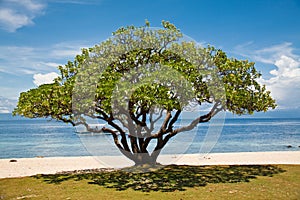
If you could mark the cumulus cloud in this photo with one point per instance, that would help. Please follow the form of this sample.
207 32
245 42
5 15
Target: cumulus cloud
284 82
15 14
40 79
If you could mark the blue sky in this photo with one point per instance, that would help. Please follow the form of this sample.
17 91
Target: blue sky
38 35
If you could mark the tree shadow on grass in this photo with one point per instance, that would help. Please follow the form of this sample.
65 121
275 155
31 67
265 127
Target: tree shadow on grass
168 178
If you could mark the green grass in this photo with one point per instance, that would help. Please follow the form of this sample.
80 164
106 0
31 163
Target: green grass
172 182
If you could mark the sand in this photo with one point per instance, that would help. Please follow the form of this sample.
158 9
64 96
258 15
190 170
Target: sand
21 167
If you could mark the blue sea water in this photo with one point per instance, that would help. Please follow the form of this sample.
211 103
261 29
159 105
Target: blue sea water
23 138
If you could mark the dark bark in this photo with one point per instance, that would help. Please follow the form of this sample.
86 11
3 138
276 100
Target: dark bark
138 152
145 158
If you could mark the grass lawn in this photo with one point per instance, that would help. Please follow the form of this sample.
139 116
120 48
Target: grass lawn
174 182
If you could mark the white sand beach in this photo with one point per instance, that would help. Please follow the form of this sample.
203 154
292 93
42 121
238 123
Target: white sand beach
21 167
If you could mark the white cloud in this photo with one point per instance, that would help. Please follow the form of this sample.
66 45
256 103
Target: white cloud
74 1
7 105
62 53
11 20
39 79
284 82
4 110
20 60
31 5
66 49
27 71
51 64
15 14
18 64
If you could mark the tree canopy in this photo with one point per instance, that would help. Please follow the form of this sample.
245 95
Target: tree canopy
141 75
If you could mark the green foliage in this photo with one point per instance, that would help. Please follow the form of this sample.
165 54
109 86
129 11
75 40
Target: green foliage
47 100
139 72
243 93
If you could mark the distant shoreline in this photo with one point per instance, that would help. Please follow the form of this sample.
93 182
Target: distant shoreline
21 167
228 116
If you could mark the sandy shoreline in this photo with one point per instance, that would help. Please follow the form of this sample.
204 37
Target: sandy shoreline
49 165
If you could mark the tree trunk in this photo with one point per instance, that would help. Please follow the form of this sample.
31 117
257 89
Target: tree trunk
144 159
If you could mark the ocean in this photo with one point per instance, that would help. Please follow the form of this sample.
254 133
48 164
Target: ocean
26 138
